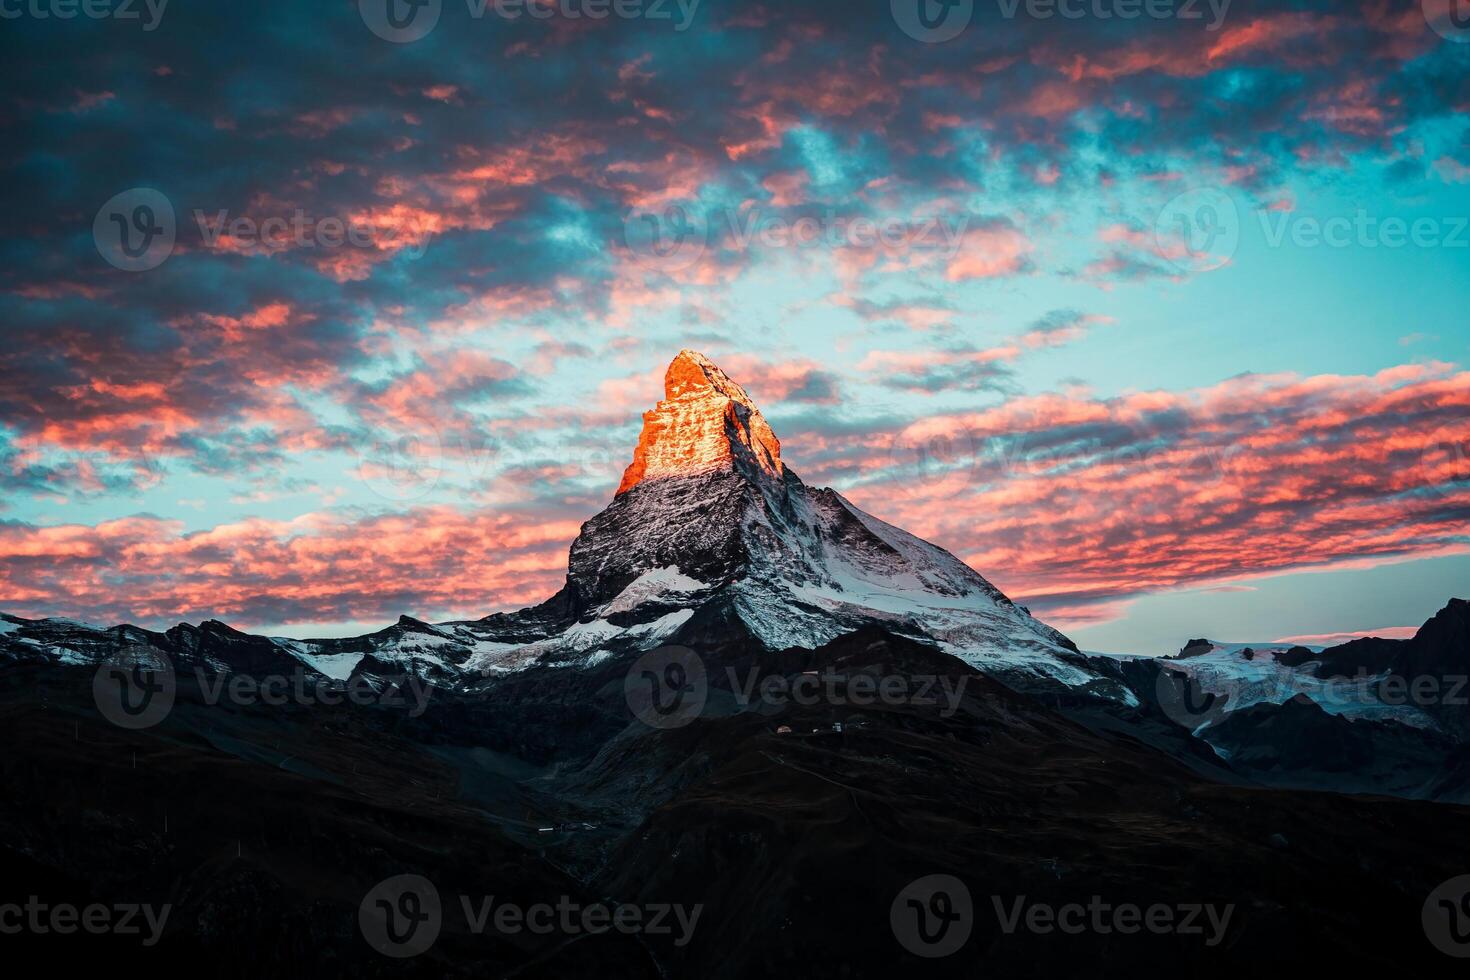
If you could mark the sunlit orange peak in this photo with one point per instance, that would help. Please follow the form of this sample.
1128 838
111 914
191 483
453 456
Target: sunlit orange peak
706 422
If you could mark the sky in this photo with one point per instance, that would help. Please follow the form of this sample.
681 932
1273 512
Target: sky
1156 314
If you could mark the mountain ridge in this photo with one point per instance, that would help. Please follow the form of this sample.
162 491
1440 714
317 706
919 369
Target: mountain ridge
709 534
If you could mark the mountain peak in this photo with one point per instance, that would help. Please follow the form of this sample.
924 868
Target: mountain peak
705 423
691 370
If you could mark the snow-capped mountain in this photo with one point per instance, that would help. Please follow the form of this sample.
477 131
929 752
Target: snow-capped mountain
1419 682
709 532
710 524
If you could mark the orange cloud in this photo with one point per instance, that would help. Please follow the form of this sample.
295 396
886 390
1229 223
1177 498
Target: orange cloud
321 567
1072 500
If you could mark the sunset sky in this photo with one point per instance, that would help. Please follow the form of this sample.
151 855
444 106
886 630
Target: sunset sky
953 274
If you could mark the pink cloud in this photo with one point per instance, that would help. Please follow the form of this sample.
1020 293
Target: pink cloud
988 253
1084 499
319 567
1333 639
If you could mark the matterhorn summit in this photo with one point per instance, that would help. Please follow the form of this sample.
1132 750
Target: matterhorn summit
706 422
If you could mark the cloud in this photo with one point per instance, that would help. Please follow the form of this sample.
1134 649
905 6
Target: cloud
799 380
1334 639
318 568
931 372
1070 500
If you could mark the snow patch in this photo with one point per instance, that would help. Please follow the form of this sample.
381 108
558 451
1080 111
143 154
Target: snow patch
1265 680
658 583
337 666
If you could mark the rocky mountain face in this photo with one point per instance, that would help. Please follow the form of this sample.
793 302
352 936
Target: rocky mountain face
1370 715
710 520
705 423
1441 647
